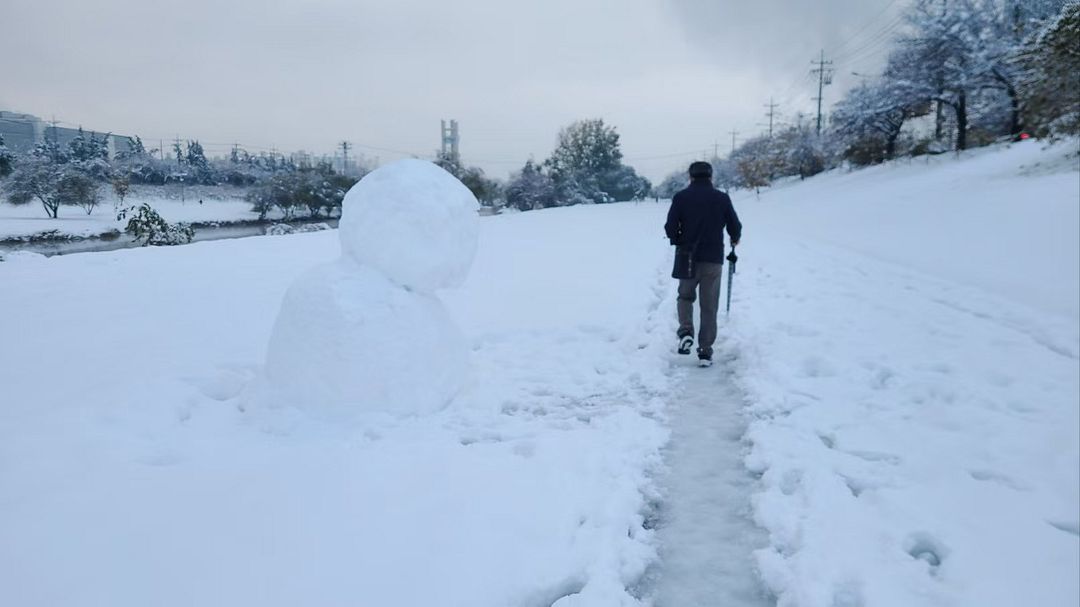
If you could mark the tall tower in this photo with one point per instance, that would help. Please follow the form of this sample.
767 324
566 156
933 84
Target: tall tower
450 140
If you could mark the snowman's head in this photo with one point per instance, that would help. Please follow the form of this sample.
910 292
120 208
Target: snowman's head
414 222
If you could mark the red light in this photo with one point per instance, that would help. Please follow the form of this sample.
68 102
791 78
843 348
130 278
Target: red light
1024 136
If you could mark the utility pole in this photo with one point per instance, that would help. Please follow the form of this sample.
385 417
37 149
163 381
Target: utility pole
824 74
55 138
734 134
771 114
178 150
716 149
345 145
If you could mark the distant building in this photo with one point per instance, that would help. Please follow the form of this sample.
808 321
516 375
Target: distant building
22 132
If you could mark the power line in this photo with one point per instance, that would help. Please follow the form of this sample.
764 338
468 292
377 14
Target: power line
837 49
882 36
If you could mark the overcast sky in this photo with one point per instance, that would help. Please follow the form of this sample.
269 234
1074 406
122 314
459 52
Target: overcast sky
673 76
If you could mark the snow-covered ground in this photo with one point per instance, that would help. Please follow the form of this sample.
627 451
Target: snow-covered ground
905 389
30 219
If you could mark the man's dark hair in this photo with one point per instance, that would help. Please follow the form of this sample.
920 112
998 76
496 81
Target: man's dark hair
700 170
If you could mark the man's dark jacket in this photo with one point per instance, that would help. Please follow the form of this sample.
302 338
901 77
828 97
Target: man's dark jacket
697 219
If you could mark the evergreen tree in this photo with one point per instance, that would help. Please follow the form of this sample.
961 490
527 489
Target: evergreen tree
7 159
586 166
198 167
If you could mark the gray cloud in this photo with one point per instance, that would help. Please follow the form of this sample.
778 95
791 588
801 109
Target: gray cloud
672 75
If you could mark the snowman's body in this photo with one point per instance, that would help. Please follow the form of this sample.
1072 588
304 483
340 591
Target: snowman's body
350 333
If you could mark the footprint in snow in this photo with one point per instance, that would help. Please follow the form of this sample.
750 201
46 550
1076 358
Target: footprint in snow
992 476
882 378
815 366
1070 527
877 456
848 594
926 547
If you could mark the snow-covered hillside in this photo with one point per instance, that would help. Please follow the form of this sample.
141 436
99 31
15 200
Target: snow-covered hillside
908 340
895 404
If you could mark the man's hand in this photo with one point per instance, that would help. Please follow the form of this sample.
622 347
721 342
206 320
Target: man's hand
735 243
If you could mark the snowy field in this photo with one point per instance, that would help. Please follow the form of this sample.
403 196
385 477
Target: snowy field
30 219
895 405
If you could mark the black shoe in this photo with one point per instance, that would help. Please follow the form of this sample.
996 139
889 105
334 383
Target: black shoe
704 359
686 343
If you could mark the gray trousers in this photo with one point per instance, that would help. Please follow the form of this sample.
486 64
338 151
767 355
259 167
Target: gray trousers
707 283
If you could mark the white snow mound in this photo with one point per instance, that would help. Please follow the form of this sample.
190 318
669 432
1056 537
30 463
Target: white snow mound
414 222
348 340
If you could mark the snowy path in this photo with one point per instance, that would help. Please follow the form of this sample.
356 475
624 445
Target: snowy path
705 532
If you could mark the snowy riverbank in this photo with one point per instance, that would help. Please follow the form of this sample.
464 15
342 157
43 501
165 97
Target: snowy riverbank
28 222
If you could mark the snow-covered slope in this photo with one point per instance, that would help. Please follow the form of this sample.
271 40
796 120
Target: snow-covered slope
908 340
908 391
1003 219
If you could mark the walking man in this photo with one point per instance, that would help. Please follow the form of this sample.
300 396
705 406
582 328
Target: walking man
696 222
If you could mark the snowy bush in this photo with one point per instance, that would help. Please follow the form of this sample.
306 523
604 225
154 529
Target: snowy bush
530 189
146 225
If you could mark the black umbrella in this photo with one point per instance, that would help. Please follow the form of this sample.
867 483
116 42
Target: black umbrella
732 258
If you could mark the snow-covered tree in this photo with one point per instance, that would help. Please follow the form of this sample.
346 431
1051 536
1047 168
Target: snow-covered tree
756 162
486 190
869 119
623 183
89 155
802 151
1049 64
961 54
672 184
197 166
80 189
36 177
587 167
7 159
317 189
530 189
55 176
937 60
725 174
585 147
140 166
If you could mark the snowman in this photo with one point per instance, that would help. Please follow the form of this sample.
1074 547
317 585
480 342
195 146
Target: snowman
367 333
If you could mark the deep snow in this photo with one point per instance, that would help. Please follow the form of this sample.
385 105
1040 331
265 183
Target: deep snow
911 419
